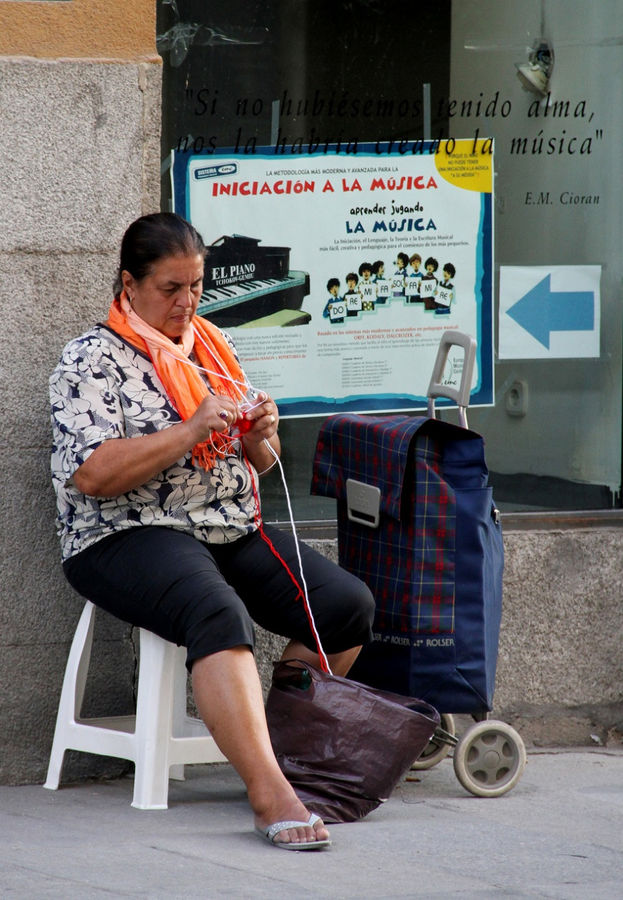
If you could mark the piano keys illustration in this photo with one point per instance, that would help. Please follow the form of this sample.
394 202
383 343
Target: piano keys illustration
249 286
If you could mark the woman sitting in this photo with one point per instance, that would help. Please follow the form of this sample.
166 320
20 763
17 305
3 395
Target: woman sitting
158 444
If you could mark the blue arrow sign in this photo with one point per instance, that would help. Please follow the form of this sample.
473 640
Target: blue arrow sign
542 311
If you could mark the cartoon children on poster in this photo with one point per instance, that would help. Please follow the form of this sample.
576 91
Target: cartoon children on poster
370 290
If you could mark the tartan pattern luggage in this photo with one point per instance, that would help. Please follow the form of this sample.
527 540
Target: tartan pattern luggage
434 562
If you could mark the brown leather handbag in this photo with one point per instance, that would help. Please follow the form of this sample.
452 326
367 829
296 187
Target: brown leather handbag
343 745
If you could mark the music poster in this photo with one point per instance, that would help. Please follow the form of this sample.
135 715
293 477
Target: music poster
336 270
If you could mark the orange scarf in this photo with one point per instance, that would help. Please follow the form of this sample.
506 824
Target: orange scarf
182 381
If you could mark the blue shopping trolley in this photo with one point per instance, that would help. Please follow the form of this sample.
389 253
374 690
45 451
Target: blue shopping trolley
417 523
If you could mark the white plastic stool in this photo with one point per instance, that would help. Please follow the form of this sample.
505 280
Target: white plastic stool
160 739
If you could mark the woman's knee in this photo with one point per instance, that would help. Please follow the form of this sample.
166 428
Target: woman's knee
353 610
362 603
221 628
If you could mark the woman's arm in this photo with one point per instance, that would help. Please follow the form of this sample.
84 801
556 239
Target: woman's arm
122 464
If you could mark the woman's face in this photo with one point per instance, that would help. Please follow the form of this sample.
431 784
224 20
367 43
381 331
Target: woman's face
167 297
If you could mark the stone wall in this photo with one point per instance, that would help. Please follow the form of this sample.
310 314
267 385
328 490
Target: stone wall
79 146
560 665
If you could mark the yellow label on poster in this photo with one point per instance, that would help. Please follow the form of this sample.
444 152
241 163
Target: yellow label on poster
467 164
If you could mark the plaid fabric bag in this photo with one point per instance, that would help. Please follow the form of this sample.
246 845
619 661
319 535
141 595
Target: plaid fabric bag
431 552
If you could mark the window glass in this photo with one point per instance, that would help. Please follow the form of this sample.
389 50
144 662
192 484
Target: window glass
553 436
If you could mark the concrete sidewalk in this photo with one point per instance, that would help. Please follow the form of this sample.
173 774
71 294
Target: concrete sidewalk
558 834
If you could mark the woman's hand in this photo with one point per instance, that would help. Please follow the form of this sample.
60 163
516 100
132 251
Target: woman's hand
214 413
262 435
262 421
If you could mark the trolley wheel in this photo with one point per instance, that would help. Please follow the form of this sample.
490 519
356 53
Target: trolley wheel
489 758
438 747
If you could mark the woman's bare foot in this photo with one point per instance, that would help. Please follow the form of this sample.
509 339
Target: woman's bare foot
289 809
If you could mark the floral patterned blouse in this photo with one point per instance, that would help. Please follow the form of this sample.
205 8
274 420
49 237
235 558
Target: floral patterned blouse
104 388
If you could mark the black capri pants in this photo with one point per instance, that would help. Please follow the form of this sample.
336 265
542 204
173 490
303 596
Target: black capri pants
205 597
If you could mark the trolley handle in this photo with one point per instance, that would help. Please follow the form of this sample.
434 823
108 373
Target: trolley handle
461 394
